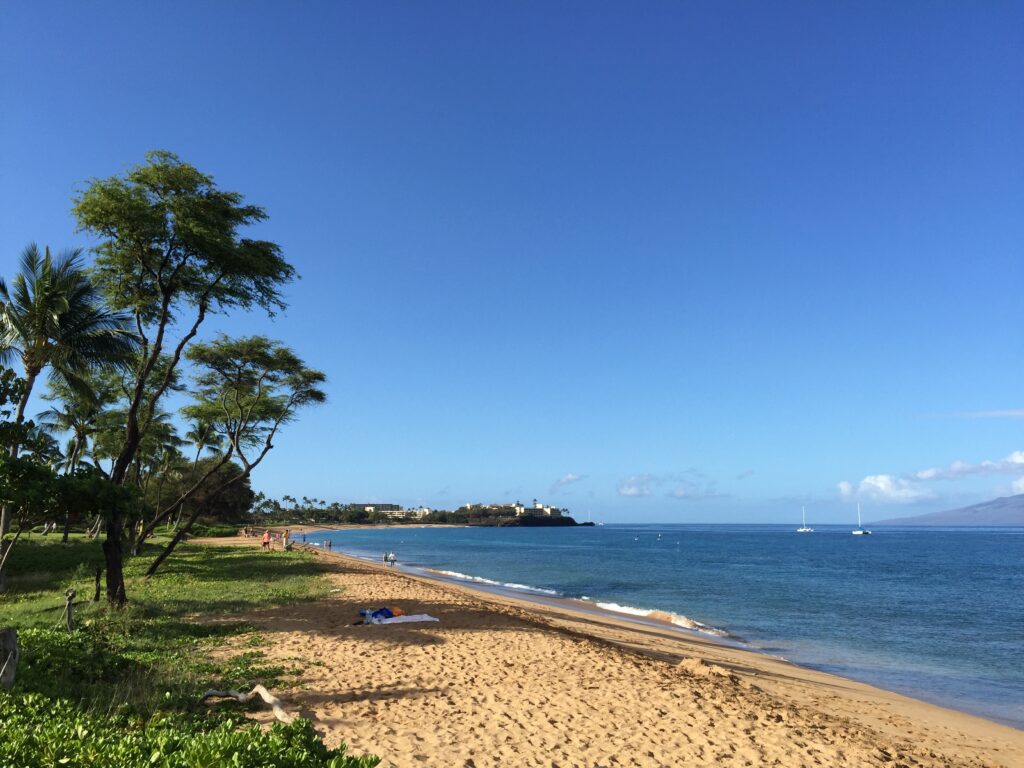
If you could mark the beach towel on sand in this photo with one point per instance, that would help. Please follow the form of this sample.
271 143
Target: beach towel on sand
391 615
404 619
381 613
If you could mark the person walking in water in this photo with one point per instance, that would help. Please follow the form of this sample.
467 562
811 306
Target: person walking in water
391 559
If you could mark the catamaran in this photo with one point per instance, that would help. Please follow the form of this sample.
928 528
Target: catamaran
860 531
804 528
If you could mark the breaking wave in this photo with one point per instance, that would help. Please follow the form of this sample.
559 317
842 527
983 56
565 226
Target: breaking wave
672 618
504 584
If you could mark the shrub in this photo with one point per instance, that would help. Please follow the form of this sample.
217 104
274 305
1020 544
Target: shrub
39 732
56 661
214 530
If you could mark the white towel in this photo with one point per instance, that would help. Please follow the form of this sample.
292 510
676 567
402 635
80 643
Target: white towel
405 619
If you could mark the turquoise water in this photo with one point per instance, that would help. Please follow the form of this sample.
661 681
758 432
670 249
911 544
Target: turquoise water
933 613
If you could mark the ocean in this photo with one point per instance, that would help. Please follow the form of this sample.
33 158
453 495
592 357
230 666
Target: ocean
935 613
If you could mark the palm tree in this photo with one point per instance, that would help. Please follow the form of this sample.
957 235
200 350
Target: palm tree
204 436
42 447
52 316
77 412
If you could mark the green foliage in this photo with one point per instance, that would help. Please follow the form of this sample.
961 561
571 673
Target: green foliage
168 230
42 571
55 661
152 640
130 678
39 732
230 505
88 492
28 487
247 669
52 316
246 388
214 530
12 389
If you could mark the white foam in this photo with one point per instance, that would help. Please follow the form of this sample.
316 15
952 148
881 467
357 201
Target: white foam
677 619
467 577
505 584
624 609
672 618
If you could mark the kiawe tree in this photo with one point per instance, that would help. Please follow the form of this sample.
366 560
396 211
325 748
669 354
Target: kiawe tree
171 253
246 389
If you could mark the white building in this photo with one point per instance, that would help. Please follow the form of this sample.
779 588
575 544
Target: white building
537 509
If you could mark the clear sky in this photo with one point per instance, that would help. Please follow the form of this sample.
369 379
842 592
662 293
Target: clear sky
662 261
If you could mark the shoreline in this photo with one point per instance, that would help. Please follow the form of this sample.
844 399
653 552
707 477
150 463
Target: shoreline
494 659
531 598
679 624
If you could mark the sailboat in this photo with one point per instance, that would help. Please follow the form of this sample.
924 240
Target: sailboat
804 528
860 531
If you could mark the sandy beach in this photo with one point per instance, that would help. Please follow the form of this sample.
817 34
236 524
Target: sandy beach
503 682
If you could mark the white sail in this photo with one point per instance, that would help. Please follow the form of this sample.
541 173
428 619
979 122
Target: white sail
803 528
860 531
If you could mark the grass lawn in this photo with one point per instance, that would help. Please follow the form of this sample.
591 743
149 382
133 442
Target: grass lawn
149 662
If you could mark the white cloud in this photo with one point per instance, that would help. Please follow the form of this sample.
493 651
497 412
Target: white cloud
1007 413
909 488
690 484
1011 465
887 488
637 485
692 492
565 480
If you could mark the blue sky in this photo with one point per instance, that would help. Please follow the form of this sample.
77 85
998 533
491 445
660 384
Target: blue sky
672 262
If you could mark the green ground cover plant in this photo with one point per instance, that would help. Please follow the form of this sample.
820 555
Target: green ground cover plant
123 688
39 732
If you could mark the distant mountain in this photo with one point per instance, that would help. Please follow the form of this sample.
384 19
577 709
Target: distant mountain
1008 510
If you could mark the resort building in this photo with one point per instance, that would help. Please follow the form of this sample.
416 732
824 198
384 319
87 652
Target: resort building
379 507
417 513
537 509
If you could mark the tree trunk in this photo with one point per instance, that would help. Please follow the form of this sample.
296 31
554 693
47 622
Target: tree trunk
133 546
114 556
69 609
8 657
30 380
5 552
173 543
179 535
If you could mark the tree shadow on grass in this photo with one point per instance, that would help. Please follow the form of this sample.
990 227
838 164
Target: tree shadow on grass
231 564
41 565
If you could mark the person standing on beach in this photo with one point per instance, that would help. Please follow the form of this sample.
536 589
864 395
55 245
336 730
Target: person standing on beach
266 540
284 540
384 559
391 559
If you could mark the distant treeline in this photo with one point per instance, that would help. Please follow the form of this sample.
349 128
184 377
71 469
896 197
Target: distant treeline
313 511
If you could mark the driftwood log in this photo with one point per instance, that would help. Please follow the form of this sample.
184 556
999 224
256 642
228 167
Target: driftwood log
8 657
257 690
